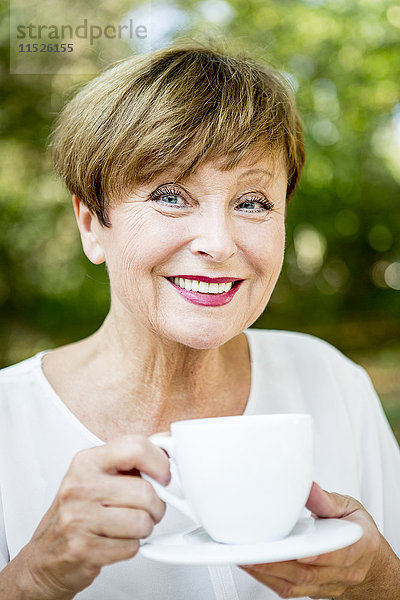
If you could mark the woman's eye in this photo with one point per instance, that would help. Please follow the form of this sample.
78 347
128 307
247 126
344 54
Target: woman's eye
168 198
256 205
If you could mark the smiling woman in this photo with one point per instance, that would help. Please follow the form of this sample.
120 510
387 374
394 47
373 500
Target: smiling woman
181 164
212 225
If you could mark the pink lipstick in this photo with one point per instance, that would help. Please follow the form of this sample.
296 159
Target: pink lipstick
210 279
204 299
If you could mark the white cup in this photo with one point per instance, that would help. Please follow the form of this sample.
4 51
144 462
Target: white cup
245 479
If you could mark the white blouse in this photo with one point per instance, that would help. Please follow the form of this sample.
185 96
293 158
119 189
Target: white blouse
355 454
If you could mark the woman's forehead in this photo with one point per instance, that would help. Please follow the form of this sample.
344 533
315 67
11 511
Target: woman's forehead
267 166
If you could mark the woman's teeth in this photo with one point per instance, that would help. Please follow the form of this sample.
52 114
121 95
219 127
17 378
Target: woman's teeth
201 286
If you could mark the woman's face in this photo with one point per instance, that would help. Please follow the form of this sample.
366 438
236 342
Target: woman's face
227 226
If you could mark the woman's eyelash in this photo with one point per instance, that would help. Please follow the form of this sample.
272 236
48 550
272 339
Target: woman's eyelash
160 192
172 191
165 192
263 201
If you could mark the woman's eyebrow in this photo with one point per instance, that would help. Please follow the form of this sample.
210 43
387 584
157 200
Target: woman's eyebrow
173 170
252 171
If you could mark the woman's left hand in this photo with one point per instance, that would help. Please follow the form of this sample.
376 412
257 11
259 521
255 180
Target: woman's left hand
355 572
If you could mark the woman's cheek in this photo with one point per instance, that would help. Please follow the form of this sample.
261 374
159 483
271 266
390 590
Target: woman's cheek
123 267
267 249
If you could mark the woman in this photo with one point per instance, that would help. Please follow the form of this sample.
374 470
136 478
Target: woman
181 164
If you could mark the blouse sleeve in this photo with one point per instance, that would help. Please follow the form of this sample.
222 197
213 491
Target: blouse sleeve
4 556
379 461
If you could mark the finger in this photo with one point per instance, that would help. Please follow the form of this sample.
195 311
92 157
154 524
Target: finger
305 574
330 504
130 452
345 557
131 492
121 523
288 589
105 550
276 584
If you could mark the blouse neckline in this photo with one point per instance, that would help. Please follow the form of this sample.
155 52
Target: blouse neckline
52 394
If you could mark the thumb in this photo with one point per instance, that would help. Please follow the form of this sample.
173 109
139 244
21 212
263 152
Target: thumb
330 505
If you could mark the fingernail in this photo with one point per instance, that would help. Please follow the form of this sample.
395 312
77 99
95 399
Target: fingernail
307 559
321 488
167 481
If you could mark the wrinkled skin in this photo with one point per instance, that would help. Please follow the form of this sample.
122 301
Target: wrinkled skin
355 572
102 509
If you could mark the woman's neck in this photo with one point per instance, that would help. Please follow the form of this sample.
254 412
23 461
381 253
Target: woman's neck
126 380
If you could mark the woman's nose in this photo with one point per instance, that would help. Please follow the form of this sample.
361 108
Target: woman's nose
214 237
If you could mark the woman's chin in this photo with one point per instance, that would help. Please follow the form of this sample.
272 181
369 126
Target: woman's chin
201 337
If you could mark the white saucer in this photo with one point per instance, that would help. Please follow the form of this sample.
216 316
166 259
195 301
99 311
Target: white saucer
309 537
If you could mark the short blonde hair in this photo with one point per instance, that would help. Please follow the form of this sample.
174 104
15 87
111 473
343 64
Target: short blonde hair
191 102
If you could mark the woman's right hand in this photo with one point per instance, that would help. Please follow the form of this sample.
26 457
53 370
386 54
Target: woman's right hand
102 509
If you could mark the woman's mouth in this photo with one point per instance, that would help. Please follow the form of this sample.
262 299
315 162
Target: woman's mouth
214 292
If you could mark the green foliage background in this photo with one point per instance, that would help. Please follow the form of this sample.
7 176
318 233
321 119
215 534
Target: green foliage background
343 233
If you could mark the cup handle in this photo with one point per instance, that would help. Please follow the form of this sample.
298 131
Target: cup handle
166 442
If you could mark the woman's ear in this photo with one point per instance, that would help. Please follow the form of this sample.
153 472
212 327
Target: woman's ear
90 230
